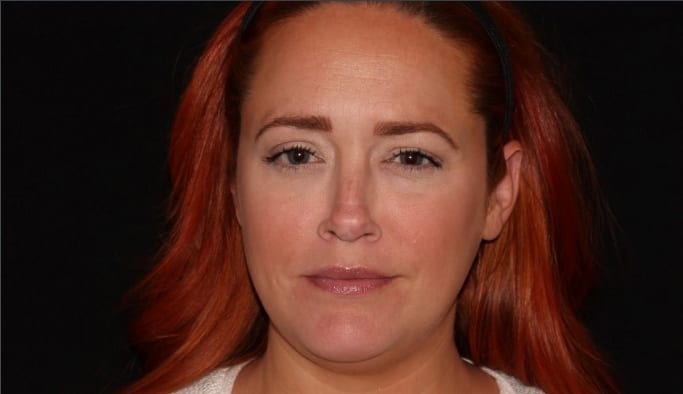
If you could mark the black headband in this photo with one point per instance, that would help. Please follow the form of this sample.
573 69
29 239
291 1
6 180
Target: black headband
494 35
484 20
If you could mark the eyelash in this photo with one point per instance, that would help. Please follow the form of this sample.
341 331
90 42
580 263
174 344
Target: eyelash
421 156
286 151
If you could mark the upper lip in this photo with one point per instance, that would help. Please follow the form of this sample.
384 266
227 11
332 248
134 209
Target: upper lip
348 273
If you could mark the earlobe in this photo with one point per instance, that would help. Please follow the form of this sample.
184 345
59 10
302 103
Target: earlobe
504 195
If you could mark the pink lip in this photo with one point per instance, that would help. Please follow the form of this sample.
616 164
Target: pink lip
348 281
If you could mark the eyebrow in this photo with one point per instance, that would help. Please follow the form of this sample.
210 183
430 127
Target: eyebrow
322 123
400 128
319 123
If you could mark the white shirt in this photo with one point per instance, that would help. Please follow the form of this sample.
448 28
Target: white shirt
222 380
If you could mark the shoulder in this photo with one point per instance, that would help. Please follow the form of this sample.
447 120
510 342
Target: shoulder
510 385
219 381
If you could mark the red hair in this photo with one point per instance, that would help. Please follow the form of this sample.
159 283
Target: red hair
517 310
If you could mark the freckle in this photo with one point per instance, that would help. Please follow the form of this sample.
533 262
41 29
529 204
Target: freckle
414 240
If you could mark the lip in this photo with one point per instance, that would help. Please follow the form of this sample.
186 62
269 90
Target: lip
349 281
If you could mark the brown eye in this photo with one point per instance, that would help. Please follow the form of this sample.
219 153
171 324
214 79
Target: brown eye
293 156
412 158
415 158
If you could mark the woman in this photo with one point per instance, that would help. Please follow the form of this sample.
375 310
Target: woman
383 197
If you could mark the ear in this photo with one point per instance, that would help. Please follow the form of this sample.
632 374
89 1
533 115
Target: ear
236 202
504 195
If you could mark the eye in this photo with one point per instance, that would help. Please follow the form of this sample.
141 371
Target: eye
292 156
415 158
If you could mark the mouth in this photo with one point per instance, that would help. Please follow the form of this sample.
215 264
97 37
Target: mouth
349 281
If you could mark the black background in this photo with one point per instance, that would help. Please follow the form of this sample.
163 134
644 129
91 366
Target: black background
88 95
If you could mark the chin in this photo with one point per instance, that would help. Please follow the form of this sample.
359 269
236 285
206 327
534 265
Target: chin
345 339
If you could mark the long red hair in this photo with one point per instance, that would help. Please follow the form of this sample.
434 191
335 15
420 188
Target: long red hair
517 312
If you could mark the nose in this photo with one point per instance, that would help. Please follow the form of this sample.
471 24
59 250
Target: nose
349 218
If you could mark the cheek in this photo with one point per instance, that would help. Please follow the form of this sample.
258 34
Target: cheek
440 231
277 225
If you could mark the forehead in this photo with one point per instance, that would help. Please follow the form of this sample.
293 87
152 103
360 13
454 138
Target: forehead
352 50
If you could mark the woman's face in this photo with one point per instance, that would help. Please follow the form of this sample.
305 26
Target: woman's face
361 183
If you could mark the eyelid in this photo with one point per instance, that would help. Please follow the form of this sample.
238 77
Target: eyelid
274 155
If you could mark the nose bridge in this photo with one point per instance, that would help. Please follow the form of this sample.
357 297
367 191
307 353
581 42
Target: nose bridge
350 217
351 188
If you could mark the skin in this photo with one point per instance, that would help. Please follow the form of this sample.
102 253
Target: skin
341 191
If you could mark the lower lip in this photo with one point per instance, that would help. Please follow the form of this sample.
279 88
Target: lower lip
349 287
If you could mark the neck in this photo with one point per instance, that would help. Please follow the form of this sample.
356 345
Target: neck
433 367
